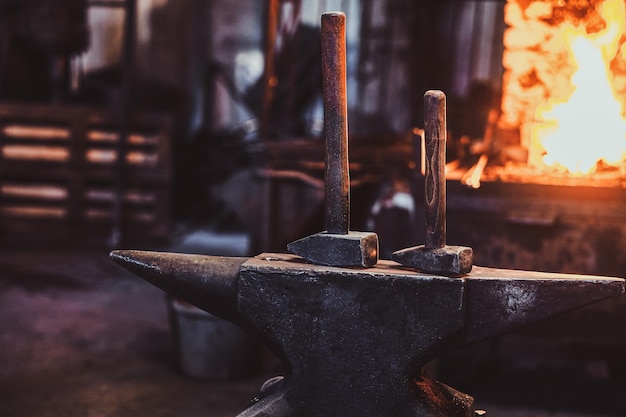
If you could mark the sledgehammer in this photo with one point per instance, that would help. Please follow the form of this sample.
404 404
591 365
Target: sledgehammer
435 256
337 245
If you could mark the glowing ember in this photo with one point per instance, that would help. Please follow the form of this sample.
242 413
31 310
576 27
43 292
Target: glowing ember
588 126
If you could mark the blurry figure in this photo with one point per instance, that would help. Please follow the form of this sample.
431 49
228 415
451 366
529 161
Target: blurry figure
298 75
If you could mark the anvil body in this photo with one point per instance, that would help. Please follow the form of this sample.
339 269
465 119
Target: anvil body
354 340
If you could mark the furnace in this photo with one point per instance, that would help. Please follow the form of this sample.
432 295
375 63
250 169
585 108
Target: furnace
564 85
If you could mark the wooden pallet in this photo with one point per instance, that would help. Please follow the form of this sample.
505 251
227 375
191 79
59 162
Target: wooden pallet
58 173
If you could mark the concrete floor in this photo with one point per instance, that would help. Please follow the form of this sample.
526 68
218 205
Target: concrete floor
80 337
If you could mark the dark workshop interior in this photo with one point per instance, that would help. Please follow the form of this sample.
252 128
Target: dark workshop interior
197 126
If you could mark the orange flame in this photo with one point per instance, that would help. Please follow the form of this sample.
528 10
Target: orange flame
588 126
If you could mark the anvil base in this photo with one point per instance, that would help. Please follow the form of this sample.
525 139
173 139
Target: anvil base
355 340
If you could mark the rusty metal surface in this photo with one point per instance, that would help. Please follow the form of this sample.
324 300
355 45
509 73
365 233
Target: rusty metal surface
355 340
498 300
349 249
208 282
351 351
447 260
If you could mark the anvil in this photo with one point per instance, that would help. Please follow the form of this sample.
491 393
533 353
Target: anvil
354 341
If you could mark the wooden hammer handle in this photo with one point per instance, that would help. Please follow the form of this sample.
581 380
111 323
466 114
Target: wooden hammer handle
435 178
337 176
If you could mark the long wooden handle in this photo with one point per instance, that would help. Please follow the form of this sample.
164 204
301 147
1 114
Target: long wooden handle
435 177
337 176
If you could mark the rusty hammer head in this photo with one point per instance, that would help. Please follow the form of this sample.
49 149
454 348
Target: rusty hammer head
337 246
334 249
435 256
453 261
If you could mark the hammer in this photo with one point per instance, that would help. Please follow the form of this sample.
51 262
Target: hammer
337 245
435 256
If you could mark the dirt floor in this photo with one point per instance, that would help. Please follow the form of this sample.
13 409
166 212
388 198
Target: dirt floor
81 337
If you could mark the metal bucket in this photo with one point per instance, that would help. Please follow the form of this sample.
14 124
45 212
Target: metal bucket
211 348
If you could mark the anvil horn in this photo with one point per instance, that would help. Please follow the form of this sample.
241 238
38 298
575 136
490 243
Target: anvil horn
208 282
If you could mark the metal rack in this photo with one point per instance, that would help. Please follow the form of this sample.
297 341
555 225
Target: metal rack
70 172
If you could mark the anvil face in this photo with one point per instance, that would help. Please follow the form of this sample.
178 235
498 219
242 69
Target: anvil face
355 340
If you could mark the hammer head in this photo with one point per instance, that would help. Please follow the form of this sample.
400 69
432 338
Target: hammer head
448 260
350 249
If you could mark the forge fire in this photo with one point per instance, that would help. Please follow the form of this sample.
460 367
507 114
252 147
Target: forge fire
564 85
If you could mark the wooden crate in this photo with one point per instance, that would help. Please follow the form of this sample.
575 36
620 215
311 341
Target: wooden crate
58 173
